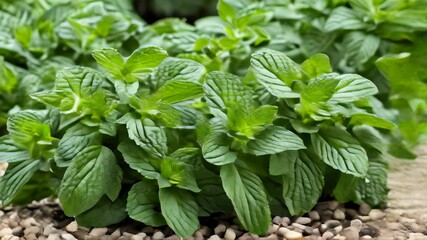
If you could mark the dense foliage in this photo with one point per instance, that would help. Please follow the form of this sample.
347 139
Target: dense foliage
237 113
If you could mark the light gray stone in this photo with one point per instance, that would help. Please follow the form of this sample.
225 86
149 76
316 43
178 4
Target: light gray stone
303 220
339 214
220 229
230 234
357 223
376 214
364 209
293 235
72 227
332 205
314 215
32 230
273 228
5 231
54 236
158 236
68 236
98 232
350 233
327 235
49 229
214 237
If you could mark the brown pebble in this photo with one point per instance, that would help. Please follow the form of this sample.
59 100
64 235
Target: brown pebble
197 236
364 209
303 220
376 214
148 230
369 230
350 233
314 215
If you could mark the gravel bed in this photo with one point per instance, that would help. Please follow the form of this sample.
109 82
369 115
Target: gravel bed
330 220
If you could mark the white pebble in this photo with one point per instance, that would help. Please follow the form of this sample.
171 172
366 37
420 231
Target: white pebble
376 214
286 221
292 235
10 237
303 220
54 236
98 232
136 237
282 231
158 236
5 231
357 223
49 229
327 235
214 237
220 229
230 234
31 230
116 233
26 223
72 227
67 236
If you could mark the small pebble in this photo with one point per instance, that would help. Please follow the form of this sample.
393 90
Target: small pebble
406 220
18 231
198 236
272 229
350 233
158 236
32 230
314 215
332 205
116 233
270 237
220 230
395 226
49 229
137 237
299 226
303 220
277 220
364 209
364 218
339 214
286 221
148 230
338 229
54 236
26 223
230 234
10 237
357 223
175 237
214 237
365 237
282 231
376 214
293 235
67 236
5 231
327 235
30 237
332 223
323 228
98 232
72 227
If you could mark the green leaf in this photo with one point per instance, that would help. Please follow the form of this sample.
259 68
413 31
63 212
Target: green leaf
341 151
15 178
350 87
141 62
369 137
177 69
225 11
74 141
371 120
360 47
104 213
248 196
212 197
91 174
178 173
276 72
303 186
142 202
137 159
150 138
316 65
282 163
110 59
224 90
180 210
178 91
10 152
216 150
343 18
273 139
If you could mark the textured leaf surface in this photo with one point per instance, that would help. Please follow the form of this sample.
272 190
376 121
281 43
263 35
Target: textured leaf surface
276 72
93 173
142 202
303 185
341 151
246 192
180 210
273 140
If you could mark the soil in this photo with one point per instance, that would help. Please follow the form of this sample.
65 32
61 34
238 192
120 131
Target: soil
404 218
